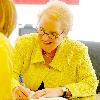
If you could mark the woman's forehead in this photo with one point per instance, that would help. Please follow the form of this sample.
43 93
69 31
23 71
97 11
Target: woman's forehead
47 22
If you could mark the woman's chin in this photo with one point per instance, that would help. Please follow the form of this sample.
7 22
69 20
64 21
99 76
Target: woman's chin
48 47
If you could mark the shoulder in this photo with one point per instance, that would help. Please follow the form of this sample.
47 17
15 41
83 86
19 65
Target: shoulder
5 43
3 39
75 45
6 50
26 40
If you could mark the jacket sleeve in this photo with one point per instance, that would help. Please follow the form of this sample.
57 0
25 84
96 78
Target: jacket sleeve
23 49
6 64
18 62
86 81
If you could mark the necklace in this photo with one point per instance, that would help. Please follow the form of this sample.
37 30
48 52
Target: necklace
49 55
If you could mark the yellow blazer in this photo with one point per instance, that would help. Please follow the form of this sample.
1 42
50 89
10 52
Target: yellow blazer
6 52
71 67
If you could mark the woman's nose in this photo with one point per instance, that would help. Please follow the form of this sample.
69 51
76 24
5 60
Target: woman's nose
45 37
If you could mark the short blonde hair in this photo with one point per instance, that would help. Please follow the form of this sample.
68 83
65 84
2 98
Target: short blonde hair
7 17
60 11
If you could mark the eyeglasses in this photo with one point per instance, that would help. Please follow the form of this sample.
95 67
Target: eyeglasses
52 35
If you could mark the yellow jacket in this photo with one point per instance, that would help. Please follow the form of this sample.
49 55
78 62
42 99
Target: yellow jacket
71 66
6 52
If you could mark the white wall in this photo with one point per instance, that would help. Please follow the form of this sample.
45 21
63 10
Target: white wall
86 19
89 18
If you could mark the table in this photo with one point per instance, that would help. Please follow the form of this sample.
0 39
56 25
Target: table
96 97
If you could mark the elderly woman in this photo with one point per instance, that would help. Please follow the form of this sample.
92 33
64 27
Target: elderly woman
50 61
7 24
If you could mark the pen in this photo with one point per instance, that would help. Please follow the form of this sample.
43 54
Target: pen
23 84
21 80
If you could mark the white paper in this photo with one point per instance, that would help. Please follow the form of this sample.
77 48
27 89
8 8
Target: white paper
55 98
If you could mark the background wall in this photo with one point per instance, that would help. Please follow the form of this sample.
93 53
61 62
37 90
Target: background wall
86 19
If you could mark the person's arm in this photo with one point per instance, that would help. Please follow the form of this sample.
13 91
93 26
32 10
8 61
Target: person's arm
22 55
86 81
86 78
6 65
19 91
18 61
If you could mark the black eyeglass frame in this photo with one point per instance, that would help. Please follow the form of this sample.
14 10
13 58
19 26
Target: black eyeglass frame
41 29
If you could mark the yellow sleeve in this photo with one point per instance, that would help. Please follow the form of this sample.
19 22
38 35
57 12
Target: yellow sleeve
5 69
21 56
86 82
18 63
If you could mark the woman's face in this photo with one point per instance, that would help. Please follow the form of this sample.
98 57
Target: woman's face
50 33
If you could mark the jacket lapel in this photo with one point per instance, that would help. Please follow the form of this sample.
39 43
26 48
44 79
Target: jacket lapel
62 57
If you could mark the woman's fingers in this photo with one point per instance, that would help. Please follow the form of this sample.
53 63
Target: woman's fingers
21 98
24 91
38 94
21 92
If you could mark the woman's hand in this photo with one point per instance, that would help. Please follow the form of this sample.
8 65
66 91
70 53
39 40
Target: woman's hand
48 93
21 93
